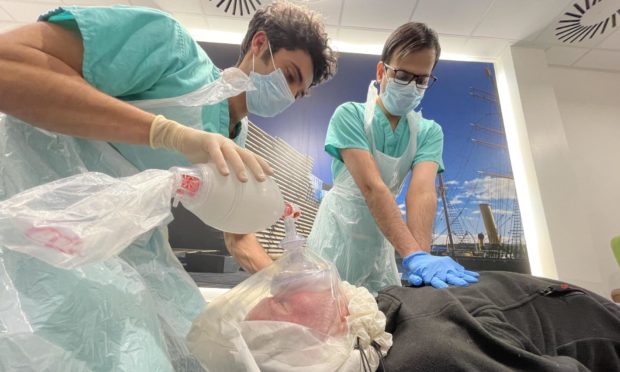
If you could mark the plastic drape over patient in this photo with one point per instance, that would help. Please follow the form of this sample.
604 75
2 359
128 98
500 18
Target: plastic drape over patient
294 315
89 218
130 312
92 317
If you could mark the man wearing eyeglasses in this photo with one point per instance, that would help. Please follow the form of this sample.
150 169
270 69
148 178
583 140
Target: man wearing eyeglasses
374 146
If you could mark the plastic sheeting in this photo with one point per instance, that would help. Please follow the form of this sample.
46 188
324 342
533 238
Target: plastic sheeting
90 217
85 218
129 312
345 231
294 315
187 109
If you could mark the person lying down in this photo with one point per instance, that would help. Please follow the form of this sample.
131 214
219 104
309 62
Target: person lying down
286 320
505 322
295 315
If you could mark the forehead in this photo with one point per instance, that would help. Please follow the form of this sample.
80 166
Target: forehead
420 61
297 58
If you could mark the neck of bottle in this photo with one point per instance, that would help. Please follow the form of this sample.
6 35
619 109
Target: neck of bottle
291 239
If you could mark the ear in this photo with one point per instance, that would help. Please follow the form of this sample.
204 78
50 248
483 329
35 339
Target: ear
380 71
259 43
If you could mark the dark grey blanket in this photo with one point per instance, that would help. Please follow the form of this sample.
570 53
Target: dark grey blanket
507 322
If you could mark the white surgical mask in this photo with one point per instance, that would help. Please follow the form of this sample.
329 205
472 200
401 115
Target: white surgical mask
272 94
400 99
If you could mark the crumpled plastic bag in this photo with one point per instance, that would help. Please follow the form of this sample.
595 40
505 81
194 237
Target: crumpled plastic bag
85 218
294 315
86 276
90 217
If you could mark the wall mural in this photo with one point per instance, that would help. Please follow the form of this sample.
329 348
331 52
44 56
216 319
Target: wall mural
478 220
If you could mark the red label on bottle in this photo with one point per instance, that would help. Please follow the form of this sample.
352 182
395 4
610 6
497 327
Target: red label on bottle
189 185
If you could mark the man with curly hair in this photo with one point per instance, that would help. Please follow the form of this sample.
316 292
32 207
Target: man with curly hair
119 90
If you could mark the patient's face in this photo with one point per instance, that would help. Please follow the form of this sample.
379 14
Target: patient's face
320 311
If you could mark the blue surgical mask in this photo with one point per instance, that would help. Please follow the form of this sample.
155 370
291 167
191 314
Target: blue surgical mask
272 94
400 99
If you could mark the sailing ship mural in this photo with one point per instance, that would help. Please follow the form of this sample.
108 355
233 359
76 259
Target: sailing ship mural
478 219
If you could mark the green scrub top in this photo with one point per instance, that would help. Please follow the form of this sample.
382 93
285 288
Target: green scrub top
346 131
135 53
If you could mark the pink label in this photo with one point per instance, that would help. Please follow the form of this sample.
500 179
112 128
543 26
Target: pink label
189 185
56 238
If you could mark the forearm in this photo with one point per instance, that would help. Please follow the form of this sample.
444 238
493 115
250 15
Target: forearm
388 217
421 209
41 83
69 105
247 251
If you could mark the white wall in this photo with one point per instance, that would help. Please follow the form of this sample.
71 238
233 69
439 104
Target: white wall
589 103
563 128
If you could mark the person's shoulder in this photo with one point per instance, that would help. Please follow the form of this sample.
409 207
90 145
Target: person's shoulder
415 302
141 11
351 106
350 110
121 11
427 123
161 25
428 126
167 29
156 15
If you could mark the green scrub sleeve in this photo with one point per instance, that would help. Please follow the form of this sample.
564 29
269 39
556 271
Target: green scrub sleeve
135 53
346 130
430 145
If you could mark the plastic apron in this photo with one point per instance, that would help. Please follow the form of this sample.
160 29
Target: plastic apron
345 231
127 313
186 109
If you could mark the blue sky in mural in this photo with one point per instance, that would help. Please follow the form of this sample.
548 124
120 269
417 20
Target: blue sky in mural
477 164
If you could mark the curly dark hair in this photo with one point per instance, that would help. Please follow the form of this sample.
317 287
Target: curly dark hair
408 38
292 27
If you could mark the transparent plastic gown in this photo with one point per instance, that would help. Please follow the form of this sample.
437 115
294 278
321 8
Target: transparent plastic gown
129 312
345 231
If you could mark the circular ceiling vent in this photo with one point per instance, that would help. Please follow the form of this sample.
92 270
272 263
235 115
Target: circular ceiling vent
247 7
589 19
238 7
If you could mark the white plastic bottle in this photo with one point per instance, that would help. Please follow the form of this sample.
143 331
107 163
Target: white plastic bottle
226 203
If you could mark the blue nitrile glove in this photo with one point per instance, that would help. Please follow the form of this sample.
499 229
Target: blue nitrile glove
421 267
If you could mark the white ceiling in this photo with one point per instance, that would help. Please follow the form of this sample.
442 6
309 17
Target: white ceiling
468 29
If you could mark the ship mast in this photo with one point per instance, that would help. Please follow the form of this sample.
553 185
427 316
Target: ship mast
442 192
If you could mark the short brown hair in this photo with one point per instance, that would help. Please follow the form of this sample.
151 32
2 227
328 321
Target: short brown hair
291 27
408 38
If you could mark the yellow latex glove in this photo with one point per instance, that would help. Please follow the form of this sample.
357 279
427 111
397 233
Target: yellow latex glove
200 147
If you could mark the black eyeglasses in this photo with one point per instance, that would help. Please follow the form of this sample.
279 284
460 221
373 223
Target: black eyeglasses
403 77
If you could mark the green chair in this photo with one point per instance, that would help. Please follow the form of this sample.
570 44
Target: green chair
615 248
